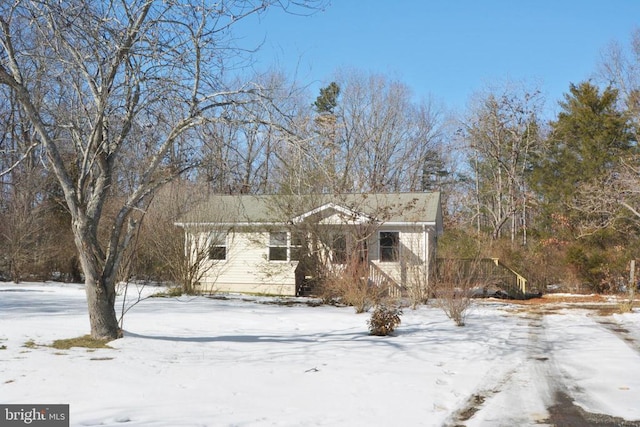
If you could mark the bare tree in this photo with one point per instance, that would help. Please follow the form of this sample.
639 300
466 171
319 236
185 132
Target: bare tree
502 132
118 75
385 137
612 202
23 234
620 68
158 252
23 231
607 202
241 152
418 284
372 136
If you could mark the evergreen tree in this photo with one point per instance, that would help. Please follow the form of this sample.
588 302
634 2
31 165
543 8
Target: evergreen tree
327 101
587 141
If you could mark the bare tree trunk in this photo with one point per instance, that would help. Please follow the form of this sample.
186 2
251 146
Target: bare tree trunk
101 297
524 219
99 287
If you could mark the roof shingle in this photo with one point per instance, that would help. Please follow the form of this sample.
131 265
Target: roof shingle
271 209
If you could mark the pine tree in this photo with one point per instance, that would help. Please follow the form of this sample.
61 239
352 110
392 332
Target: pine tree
586 142
327 101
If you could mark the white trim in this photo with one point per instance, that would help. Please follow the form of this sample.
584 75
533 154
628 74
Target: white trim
230 224
359 216
253 224
408 223
425 260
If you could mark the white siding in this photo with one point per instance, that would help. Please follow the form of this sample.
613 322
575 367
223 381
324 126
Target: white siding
416 254
247 268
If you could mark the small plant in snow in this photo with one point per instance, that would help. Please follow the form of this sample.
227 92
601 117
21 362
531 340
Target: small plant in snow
30 344
384 320
627 304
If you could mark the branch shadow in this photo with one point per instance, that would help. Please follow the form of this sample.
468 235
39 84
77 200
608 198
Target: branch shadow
355 337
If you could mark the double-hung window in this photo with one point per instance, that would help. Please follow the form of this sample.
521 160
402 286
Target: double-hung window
295 249
285 246
278 246
389 246
218 246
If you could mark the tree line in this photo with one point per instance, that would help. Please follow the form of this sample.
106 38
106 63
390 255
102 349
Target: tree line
118 117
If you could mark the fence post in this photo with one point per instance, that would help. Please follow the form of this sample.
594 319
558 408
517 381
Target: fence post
632 277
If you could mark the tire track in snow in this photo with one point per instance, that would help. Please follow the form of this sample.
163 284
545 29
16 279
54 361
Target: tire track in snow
619 331
564 412
476 401
532 362
539 368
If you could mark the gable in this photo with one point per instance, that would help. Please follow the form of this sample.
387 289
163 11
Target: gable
333 214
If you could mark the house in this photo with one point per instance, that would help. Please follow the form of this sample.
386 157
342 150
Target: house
264 244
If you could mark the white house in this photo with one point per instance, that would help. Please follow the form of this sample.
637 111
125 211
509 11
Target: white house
259 244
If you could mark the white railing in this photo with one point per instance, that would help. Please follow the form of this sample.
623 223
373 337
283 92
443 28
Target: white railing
382 280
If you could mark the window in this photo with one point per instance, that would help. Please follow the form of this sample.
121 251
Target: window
296 247
218 246
284 246
278 246
339 248
389 246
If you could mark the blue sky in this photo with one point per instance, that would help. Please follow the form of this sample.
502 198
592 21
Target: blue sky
446 49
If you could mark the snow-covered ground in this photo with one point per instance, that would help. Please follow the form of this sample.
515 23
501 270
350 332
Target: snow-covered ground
236 362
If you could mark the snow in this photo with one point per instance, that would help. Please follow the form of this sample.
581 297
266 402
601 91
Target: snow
197 361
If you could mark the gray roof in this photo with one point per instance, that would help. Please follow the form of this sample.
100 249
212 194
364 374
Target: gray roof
391 208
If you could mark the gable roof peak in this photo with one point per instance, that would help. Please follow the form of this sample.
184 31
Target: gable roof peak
353 216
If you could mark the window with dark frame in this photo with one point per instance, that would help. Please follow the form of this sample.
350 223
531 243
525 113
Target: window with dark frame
389 246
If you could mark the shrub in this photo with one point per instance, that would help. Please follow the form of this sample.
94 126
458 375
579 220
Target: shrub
455 282
384 320
351 286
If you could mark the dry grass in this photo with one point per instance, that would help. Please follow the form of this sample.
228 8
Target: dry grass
604 305
85 341
563 299
30 344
